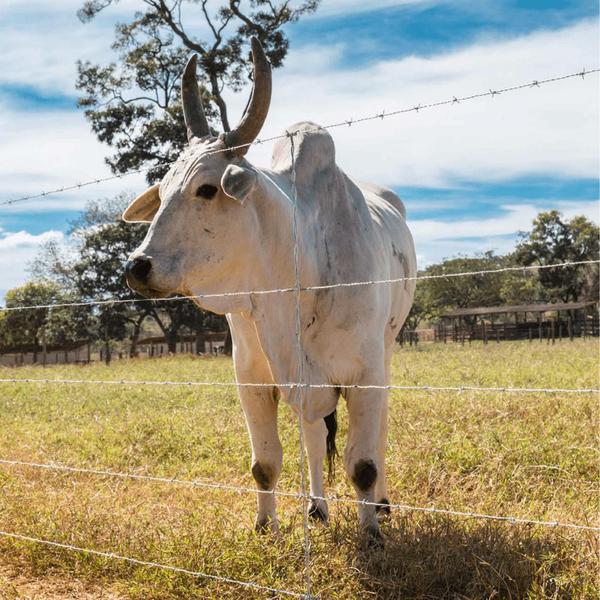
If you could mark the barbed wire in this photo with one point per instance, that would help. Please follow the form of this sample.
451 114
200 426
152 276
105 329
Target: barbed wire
153 478
299 369
536 83
301 385
309 288
147 563
296 495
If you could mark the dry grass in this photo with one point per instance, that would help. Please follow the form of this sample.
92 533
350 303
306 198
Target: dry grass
523 455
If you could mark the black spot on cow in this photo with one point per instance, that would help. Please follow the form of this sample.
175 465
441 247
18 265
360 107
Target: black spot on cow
263 475
328 256
314 318
393 323
365 474
396 252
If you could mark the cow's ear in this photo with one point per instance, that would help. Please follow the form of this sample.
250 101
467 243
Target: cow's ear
238 182
144 207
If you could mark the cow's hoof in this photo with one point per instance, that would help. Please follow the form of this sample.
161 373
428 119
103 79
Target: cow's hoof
317 513
383 508
262 526
373 539
265 525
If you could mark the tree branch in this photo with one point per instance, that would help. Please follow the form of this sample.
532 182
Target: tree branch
164 11
234 7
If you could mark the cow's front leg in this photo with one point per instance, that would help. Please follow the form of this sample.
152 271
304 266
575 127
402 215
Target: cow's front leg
315 437
362 456
260 409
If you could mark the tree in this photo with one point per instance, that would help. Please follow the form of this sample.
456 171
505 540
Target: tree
134 105
35 327
553 239
438 294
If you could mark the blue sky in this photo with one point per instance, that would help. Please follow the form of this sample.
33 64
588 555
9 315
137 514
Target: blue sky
471 175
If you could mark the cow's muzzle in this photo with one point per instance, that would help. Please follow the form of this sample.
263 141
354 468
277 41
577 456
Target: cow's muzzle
137 271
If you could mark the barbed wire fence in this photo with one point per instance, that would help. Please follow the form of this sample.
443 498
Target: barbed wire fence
299 385
490 93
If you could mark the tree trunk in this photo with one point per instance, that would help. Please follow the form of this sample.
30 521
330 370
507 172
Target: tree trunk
171 339
106 346
200 345
137 326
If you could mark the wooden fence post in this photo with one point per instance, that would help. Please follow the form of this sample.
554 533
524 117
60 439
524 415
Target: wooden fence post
44 347
559 330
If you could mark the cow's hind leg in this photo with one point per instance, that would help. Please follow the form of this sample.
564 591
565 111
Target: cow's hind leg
260 409
315 437
361 458
381 493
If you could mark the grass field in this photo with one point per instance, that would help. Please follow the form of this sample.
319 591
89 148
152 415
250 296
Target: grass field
531 455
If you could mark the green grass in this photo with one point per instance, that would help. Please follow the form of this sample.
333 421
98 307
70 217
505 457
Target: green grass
531 455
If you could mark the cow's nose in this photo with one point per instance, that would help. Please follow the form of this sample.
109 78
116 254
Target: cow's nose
139 268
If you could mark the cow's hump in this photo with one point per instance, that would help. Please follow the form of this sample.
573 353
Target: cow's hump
314 152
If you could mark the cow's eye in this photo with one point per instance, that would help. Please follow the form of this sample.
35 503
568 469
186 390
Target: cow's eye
206 191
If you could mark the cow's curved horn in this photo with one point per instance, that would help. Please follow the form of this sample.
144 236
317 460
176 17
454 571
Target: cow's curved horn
193 113
258 106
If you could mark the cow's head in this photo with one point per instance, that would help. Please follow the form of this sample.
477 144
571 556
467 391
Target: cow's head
201 225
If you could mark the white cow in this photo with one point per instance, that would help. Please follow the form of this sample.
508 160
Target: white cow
219 224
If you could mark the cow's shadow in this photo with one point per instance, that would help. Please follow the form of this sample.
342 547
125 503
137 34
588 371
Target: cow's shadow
434 557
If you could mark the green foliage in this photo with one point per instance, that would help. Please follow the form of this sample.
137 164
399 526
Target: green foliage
440 294
32 327
133 104
551 240
554 239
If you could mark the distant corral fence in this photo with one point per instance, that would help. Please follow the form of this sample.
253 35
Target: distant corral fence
550 322
300 385
87 351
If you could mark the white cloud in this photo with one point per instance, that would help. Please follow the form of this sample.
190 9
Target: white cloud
17 249
24 239
548 130
47 150
436 239
335 7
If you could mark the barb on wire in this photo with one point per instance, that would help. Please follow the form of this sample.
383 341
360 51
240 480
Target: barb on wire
310 288
346 122
303 385
155 565
288 494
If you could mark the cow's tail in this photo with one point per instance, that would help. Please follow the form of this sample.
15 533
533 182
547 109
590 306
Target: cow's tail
331 423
